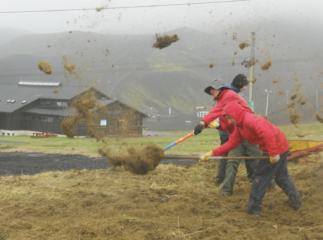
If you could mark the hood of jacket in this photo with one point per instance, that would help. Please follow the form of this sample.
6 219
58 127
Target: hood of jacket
235 111
233 88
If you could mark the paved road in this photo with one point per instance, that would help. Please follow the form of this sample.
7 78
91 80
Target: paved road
18 163
152 133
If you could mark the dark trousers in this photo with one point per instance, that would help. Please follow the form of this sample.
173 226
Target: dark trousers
264 174
251 165
223 163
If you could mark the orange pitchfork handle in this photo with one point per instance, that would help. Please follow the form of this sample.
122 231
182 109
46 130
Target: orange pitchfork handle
178 141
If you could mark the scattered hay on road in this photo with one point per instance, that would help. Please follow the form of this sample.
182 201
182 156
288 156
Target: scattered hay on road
211 65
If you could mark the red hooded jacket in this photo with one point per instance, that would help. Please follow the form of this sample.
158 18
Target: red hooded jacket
254 129
225 97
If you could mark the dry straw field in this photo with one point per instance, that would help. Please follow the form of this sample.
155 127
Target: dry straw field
167 203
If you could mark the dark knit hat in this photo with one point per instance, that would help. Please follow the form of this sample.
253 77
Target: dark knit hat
240 81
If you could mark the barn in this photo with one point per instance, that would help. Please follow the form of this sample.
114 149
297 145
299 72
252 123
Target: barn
29 107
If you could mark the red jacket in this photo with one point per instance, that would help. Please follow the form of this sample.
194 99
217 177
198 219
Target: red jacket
225 125
225 97
254 129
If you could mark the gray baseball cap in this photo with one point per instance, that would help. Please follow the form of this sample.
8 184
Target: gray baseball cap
216 84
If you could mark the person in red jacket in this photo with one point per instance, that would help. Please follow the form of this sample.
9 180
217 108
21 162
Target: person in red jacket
224 96
273 142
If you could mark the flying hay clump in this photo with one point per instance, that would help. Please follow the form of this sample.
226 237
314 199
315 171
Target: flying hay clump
136 161
243 45
70 68
266 65
164 41
319 118
45 67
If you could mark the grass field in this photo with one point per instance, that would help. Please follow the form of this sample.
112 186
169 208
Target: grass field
204 142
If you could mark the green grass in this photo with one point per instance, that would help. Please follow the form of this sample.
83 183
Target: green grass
206 141
314 128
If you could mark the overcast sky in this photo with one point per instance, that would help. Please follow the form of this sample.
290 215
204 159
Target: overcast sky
206 17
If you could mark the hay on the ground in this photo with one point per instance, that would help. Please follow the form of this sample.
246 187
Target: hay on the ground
211 65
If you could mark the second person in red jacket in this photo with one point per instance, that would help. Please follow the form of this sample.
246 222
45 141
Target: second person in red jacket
273 142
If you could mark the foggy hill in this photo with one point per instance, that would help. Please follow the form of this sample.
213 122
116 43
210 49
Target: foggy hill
9 34
128 68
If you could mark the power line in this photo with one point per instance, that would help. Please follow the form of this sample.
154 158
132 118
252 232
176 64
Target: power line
128 7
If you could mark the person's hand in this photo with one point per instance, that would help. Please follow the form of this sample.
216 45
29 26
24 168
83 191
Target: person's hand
274 159
206 156
214 124
198 128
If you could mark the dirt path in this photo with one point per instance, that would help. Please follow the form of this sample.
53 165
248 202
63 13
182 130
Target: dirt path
18 163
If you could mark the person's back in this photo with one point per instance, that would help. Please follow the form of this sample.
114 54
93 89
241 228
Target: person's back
274 144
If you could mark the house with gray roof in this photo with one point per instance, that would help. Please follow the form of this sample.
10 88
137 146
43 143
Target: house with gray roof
29 107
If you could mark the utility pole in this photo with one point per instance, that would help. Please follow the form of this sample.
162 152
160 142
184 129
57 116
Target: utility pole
109 90
267 91
317 102
250 62
252 58
117 73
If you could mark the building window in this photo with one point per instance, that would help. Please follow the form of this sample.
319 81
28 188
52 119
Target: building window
62 104
50 119
44 119
28 118
47 103
42 103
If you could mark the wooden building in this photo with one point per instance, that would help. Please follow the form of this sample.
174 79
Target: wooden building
41 107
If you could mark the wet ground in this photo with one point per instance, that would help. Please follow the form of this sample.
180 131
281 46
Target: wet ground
18 163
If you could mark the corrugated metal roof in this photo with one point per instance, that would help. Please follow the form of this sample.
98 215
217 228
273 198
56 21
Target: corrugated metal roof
54 111
58 111
23 95
20 96
39 84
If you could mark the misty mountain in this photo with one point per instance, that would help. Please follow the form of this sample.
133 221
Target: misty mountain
127 67
9 34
